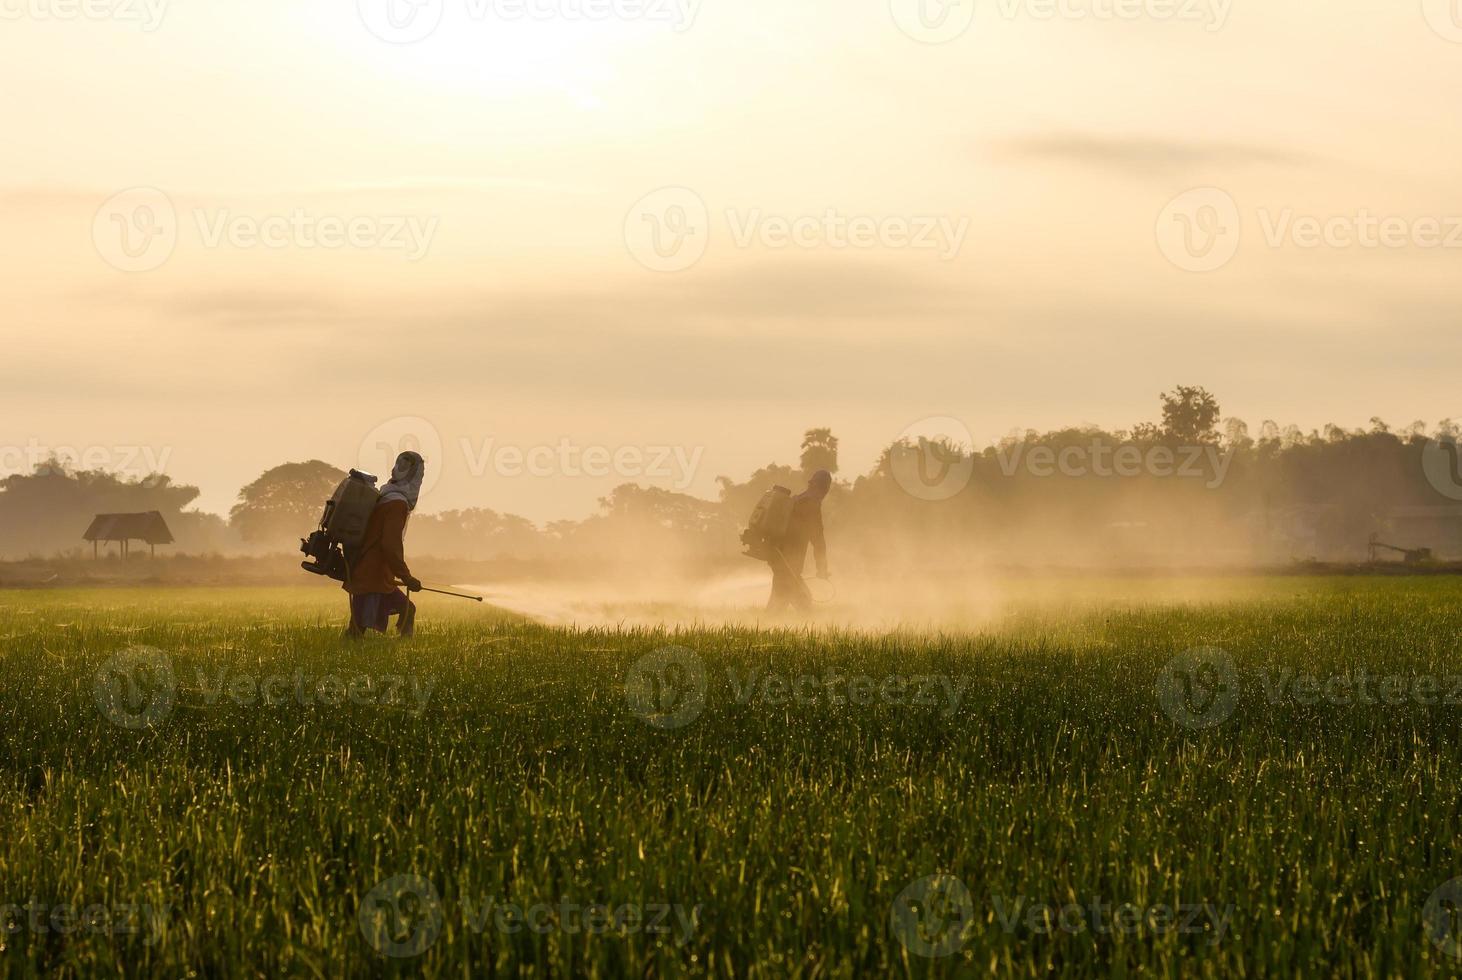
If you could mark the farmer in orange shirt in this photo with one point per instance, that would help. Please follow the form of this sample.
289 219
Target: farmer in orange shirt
374 571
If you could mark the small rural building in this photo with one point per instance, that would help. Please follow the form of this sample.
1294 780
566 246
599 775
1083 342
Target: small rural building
126 528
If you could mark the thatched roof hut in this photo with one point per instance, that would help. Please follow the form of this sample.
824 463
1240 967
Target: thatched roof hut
125 528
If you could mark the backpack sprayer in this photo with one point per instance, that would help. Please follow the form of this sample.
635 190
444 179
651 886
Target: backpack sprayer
338 542
768 526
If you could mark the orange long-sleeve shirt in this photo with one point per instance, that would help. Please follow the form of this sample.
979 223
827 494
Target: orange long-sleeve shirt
382 559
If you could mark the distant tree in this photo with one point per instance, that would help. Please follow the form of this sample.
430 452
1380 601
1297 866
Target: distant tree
1189 415
285 502
47 510
1236 433
475 533
819 451
1143 432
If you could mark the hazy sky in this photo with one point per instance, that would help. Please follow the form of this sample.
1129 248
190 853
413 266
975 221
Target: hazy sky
239 233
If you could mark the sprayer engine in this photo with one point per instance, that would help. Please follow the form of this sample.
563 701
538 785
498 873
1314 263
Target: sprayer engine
342 526
327 557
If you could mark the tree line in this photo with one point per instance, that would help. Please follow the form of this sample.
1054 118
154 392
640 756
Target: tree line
1190 486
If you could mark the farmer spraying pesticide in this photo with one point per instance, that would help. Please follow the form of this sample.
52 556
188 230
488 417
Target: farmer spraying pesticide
781 529
379 563
361 544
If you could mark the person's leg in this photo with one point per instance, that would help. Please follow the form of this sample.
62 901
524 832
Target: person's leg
354 630
775 600
784 589
399 604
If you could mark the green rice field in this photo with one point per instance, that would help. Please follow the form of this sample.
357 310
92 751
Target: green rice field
1255 777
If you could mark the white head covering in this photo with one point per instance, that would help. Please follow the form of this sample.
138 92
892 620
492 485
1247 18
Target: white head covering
405 483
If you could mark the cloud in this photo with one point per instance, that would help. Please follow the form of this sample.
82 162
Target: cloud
1136 156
